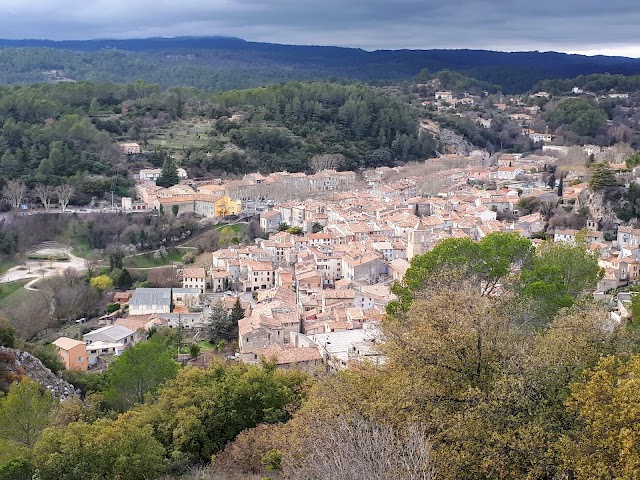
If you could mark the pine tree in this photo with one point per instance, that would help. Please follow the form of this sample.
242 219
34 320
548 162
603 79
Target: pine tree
169 174
237 313
124 280
219 327
602 176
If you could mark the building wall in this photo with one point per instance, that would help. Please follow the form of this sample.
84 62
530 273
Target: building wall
75 358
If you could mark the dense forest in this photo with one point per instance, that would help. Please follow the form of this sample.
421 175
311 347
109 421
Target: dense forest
596 83
228 63
289 124
499 366
68 132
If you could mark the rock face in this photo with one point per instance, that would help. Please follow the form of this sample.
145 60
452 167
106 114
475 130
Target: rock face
453 142
25 364
600 210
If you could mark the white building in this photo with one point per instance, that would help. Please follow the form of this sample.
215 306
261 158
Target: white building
146 301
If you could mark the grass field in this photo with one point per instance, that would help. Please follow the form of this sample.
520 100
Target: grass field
8 289
231 234
12 296
149 261
205 345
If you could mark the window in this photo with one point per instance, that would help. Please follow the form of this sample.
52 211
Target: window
80 359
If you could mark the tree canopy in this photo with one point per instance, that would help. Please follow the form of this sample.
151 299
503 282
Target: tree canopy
138 371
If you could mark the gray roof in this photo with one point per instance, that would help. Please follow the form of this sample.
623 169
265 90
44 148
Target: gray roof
114 332
150 296
337 342
186 290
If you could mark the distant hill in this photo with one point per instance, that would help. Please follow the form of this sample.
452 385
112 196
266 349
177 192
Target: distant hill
222 63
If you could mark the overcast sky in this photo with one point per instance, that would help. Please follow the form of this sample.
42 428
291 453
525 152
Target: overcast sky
581 26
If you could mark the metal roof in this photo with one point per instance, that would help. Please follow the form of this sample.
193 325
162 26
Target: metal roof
151 296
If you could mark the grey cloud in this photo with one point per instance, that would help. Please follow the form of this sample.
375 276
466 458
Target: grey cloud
569 25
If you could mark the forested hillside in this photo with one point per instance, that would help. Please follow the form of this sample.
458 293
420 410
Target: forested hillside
230 63
286 125
68 132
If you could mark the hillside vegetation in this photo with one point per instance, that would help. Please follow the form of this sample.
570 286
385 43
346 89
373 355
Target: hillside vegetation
228 63
68 132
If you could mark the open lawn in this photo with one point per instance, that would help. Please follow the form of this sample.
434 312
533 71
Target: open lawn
148 260
8 289
205 345
13 293
231 234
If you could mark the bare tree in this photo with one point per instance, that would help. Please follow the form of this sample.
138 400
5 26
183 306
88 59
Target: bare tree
91 263
64 193
325 162
45 193
14 192
162 277
356 448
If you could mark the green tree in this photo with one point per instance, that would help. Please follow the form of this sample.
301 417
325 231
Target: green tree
202 409
561 185
7 333
602 177
124 279
138 371
105 449
488 261
17 469
169 174
633 160
194 350
237 313
630 207
175 209
24 413
558 275
220 324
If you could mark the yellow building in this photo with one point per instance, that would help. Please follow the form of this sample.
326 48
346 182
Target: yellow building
206 205
226 206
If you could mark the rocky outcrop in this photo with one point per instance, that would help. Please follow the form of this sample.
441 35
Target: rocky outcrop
452 142
600 209
449 141
17 364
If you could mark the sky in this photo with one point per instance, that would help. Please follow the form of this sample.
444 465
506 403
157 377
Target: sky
575 26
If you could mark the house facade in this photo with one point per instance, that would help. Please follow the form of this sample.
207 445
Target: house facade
73 353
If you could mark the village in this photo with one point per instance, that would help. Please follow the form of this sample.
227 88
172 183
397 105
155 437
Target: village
313 293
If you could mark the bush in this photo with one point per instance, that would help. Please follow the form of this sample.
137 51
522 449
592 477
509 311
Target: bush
47 258
48 355
16 469
7 333
112 307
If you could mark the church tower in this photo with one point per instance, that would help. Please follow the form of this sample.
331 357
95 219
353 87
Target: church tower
417 240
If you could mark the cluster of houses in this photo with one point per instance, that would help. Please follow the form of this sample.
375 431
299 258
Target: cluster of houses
315 294
220 198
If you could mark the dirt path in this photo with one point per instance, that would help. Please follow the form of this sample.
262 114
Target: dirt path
37 269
